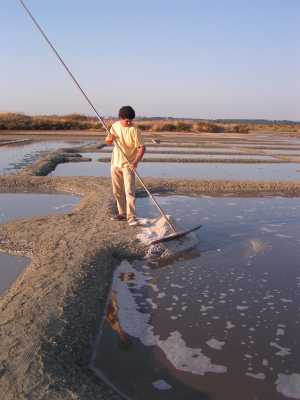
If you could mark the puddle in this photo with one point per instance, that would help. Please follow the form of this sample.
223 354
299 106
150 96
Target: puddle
14 157
221 322
26 205
10 269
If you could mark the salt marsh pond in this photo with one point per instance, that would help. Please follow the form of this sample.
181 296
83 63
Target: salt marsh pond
226 171
16 156
25 205
221 322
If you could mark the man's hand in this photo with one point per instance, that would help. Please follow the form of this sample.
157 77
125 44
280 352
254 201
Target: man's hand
133 165
109 139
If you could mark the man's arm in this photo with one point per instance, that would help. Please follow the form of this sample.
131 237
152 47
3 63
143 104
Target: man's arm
139 156
109 139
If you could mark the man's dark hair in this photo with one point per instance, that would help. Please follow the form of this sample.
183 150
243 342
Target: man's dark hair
126 112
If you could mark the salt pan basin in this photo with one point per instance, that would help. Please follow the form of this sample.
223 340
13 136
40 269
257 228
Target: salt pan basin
14 157
211 170
22 205
219 322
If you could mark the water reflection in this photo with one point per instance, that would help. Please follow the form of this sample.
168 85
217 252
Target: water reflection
222 324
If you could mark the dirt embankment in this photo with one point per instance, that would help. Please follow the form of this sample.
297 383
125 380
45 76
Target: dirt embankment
50 316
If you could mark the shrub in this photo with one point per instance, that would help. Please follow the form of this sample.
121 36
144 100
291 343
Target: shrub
143 127
240 128
208 127
183 126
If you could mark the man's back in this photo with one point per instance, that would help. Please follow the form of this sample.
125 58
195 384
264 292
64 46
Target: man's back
129 139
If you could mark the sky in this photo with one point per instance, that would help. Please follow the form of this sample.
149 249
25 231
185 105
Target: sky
175 58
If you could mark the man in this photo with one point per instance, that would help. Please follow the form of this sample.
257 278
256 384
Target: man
127 153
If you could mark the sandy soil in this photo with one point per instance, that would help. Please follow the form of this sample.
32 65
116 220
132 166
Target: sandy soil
51 315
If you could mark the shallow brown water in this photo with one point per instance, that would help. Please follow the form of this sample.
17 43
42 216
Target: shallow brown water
221 322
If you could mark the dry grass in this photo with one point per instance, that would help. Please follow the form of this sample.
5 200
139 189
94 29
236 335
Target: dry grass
19 121
14 121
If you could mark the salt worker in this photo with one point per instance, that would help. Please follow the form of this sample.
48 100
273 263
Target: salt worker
128 142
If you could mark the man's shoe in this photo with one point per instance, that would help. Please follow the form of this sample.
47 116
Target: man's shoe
133 222
118 218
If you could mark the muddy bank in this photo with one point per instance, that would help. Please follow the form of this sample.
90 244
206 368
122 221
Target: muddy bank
50 316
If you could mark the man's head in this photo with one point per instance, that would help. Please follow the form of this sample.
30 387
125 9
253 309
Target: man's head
126 115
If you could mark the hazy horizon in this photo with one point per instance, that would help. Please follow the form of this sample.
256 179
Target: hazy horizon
197 59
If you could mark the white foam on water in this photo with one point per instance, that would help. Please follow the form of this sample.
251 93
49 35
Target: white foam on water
137 324
205 308
259 375
175 285
286 300
281 235
229 325
154 287
152 304
161 385
268 230
215 344
280 332
63 206
188 359
289 385
283 351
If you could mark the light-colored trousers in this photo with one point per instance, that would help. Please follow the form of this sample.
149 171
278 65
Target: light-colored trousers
123 185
